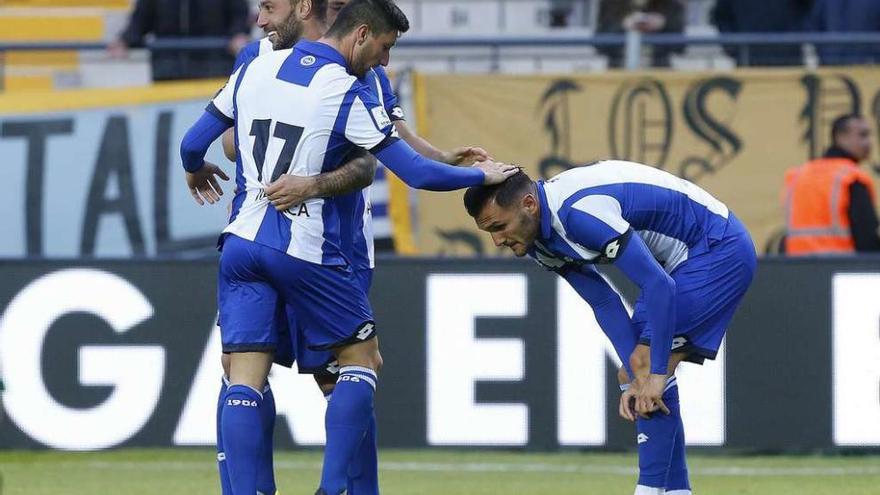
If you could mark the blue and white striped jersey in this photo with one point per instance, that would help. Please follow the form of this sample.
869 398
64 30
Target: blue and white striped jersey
251 51
298 107
369 207
587 211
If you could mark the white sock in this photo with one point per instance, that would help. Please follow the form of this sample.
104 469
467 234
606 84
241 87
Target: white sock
648 490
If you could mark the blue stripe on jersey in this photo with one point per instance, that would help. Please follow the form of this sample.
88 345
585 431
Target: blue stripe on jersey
389 99
380 172
343 207
248 53
274 229
351 217
240 189
300 68
658 209
380 210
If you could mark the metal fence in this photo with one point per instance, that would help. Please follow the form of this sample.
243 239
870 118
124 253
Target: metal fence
746 49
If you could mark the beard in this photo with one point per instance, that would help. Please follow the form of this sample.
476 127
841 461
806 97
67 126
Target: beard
288 32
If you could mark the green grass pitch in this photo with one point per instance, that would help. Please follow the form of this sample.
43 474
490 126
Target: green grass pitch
434 472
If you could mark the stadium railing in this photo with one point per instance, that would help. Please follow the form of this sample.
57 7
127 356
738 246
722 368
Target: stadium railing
631 43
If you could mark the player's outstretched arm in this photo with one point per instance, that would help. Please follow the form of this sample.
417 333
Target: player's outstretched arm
357 173
423 173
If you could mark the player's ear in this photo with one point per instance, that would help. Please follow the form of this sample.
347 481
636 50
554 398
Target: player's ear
362 32
529 202
306 9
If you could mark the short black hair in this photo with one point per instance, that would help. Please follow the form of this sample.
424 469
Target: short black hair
505 194
381 16
840 124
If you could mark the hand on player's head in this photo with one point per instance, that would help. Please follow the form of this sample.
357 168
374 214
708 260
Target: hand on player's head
496 172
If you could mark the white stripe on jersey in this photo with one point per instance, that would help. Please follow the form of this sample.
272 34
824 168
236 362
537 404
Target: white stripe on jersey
604 208
609 172
669 251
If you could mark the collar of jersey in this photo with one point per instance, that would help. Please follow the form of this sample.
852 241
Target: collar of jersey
322 50
546 223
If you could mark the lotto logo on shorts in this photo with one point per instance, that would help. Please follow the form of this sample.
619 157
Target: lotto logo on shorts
679 342
366 331
241 402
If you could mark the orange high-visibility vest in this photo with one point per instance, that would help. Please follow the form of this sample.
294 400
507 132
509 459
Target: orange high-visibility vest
817 203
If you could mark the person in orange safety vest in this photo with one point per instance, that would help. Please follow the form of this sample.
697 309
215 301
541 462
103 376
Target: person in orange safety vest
829 201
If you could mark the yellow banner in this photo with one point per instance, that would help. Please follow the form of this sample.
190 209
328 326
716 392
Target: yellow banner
732 133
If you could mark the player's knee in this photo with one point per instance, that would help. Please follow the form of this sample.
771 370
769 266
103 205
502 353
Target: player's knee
361 354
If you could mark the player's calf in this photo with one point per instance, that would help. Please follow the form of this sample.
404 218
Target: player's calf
349 412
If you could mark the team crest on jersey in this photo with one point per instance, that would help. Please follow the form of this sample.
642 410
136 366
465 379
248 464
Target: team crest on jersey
307 60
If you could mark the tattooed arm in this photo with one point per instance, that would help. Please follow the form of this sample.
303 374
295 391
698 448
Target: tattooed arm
357 173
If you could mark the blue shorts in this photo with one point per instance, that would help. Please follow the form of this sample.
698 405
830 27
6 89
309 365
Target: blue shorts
259 286
708 289
312 361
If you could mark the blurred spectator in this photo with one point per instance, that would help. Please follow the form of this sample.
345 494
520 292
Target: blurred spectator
846 16
830 201
647 16
763 16
187 18
560 11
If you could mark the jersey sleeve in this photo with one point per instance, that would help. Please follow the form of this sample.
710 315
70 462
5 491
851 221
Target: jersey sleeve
610 312
596 223
368 123
631 255
392 104
222 106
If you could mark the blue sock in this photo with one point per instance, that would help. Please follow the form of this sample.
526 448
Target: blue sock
677 479
242 425
347 421
363 474
225 487
656 436
265 466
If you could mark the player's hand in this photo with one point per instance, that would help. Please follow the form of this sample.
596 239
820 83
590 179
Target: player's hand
649 395
289 190
496 172
465 155
203 184
627 409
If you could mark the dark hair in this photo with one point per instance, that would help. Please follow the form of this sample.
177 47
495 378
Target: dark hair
381 16
505 194
840 124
